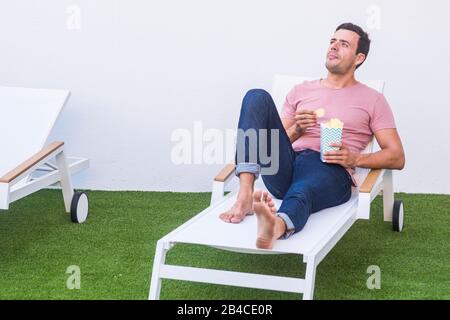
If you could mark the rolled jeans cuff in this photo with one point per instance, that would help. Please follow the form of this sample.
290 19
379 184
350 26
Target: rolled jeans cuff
290 228
248 168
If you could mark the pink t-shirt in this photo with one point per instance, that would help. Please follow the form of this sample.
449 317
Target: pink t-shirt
362 109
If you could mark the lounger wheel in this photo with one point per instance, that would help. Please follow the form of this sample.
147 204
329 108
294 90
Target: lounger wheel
397 216
79 208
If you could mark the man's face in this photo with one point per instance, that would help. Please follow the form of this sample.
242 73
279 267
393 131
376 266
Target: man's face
341 54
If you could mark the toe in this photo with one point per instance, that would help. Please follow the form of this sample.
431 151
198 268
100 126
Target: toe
257 196
235 219
265 195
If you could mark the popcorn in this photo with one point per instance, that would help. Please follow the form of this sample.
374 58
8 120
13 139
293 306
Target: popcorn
320 112
334 123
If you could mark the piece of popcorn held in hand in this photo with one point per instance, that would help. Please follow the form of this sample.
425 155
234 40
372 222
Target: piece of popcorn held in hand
330 132
320 112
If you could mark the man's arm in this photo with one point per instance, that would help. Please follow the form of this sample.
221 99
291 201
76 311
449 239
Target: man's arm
391 155
292 129
297 126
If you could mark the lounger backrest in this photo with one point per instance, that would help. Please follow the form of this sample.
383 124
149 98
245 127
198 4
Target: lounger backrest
27 116
284 83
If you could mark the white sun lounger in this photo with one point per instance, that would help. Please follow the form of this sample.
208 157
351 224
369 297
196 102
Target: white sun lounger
27 117
321 233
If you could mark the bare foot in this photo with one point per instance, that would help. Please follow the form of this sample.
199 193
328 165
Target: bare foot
265 210
237 213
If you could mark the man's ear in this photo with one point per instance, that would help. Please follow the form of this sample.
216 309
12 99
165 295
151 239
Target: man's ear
360 58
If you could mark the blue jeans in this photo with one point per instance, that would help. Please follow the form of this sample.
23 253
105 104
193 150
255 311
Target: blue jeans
305 183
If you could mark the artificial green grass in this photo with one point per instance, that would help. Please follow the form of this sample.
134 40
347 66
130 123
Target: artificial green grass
114 250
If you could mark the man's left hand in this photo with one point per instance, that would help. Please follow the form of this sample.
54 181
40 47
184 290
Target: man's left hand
343 156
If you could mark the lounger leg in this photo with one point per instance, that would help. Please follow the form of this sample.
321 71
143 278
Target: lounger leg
310 278
388 195
218 191
65 179
155 282
4 196
364 206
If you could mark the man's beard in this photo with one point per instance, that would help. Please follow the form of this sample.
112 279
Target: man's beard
335 69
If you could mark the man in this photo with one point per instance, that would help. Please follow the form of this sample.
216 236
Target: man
305 182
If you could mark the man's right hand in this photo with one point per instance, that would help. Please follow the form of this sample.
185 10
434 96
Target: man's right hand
304 119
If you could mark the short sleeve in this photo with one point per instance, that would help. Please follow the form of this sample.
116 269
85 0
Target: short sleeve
289 106
382 116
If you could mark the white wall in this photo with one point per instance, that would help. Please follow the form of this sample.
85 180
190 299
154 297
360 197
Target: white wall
138 70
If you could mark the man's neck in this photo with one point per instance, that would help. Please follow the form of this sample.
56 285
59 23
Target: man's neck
338 81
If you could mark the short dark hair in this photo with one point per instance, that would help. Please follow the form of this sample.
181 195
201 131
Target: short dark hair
363 42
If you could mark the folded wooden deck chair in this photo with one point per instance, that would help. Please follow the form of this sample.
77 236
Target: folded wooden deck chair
321 233
27 117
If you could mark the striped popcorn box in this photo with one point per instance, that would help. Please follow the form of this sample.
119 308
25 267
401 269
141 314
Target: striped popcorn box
330 132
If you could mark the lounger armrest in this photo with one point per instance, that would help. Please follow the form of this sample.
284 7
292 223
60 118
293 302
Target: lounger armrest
225 173
23 167
370 180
